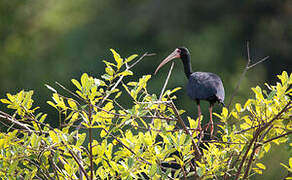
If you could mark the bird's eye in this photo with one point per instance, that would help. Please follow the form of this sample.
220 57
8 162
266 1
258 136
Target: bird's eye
178 51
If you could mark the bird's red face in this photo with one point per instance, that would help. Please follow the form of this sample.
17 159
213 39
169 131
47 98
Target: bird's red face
173 55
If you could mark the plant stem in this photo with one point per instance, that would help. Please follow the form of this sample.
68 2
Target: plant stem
90 140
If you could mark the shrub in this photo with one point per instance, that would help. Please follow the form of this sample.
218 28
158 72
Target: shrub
98 138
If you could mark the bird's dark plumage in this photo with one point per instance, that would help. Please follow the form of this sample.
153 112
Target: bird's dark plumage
201 86
205 86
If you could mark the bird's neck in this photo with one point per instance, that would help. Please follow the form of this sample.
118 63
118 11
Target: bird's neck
187 65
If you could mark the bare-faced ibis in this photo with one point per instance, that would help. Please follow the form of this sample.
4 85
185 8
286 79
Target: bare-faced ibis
201 86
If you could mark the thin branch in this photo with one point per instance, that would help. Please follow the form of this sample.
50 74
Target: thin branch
246 153
196 148
77 161
277 137
260 61
163 88
250 160
15 121
247 67
144 55
241 77
247 129
70 92
166 81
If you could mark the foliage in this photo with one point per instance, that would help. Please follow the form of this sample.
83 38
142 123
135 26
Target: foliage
99 138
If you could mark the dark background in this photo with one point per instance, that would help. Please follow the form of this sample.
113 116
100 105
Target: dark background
47 41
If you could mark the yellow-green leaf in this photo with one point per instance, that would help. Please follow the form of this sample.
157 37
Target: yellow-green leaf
130 58
109 70
224 112
238 107
54 137
76 83
261 166
117 58
103 133
267 147
5 101
72 104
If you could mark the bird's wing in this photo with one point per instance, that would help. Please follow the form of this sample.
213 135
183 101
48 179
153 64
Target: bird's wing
203 86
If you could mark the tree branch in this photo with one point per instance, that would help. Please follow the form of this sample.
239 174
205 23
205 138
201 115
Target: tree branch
247 67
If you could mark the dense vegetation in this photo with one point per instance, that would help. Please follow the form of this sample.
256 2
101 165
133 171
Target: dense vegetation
99 137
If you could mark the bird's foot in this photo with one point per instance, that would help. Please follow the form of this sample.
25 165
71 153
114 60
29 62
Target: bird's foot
211 129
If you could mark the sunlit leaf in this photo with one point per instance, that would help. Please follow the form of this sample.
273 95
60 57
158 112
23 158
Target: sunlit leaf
76 83
54 137
103 133
261 166
130 58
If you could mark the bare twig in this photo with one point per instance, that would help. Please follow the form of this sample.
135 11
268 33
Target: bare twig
255 146
77 161
277 137
15 121
144 55
70 92
166 81
247 67
163 88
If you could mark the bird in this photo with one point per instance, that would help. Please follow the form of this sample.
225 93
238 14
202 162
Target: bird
201 85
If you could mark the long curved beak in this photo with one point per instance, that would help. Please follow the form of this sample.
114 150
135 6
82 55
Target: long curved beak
173 55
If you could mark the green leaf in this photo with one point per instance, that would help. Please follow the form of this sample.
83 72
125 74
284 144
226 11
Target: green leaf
126 73
42 119
33 140
117 58
54 137
81 139
5 101
103 133
130 58
72 104
77 84
153 169
118 95
261 166
272 94
224 112
52 104
130 162
238 107
258 170
12 166
109 71
267 147
84 80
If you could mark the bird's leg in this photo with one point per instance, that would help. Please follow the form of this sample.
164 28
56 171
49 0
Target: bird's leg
199 114
211 120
